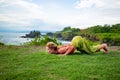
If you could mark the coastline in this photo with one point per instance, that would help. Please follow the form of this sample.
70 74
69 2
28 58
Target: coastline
14 38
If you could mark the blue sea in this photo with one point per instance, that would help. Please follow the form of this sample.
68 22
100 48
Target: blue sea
14 38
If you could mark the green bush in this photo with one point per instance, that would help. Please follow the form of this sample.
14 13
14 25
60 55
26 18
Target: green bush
38 41
112 41
1 44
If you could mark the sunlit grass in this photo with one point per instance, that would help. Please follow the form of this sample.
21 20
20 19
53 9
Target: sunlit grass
34 63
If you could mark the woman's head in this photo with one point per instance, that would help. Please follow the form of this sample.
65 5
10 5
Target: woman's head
51 45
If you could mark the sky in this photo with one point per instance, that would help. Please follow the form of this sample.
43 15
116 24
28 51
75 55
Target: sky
54 15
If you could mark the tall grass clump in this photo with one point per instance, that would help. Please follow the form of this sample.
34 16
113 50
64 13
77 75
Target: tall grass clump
41 41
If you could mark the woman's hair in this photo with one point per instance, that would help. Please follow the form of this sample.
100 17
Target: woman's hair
51 45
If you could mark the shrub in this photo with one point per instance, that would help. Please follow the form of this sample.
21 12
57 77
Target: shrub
112 41
41 41
1 44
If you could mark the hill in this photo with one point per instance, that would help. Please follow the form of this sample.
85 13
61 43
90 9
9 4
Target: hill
109 34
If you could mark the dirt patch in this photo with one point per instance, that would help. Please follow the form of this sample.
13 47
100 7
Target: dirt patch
114 48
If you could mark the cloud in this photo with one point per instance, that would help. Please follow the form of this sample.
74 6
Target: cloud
97 4
19 12
33 14
28 15
97 12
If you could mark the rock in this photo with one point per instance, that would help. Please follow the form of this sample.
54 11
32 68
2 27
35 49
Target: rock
32 34
50 34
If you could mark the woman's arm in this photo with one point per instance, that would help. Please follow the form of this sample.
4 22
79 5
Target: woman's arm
65 50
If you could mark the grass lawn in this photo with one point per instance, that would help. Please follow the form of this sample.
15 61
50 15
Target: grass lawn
34 63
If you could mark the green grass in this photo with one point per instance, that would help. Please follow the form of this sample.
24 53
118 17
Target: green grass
34 63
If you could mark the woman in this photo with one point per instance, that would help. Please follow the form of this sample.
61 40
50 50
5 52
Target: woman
79 43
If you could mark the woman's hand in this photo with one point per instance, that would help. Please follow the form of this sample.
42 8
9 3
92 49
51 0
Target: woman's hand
62 55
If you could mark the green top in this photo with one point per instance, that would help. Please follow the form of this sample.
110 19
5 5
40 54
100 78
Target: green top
83 45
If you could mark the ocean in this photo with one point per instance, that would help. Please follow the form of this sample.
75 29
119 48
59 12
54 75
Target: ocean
14 38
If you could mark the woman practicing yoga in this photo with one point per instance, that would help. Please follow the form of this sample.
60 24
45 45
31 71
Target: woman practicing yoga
77 43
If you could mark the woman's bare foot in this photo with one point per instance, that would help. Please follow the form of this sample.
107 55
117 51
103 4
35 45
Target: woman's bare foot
105 48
